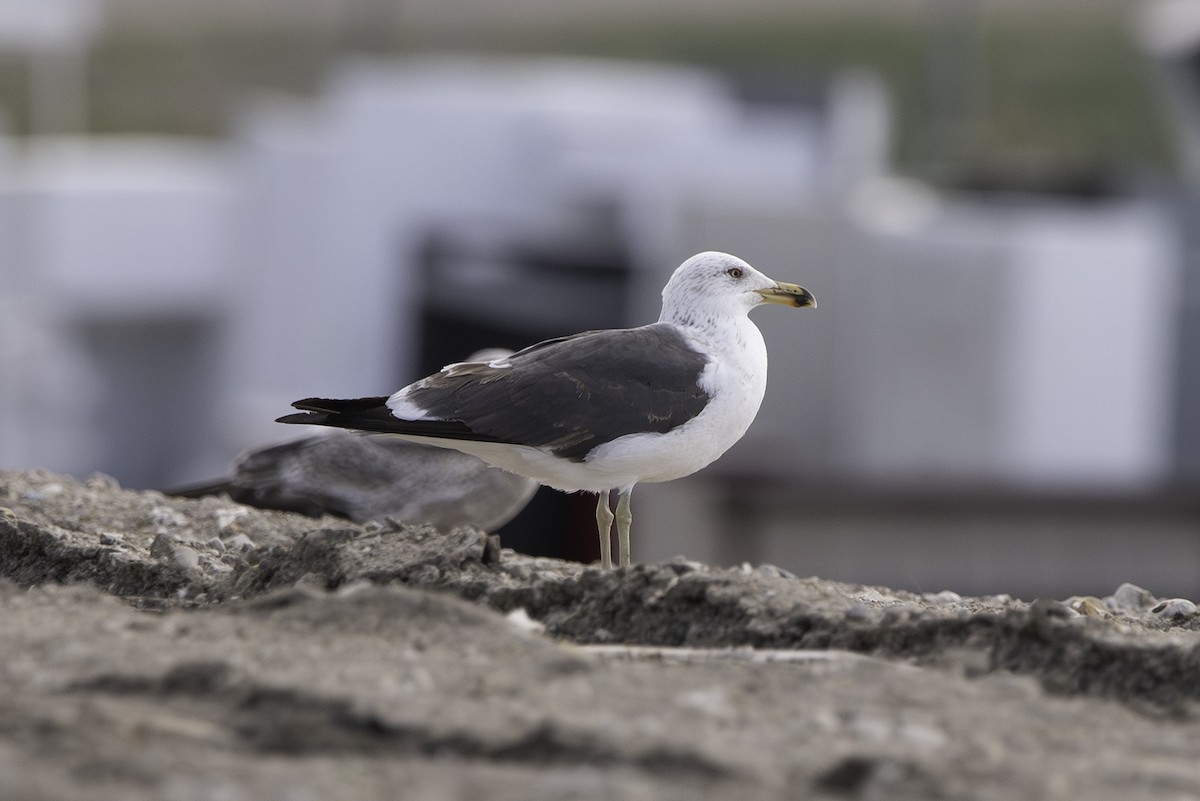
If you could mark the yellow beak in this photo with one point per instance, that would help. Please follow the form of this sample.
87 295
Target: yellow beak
789 295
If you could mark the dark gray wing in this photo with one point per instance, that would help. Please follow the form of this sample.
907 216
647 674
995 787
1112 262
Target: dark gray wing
574 393
568 395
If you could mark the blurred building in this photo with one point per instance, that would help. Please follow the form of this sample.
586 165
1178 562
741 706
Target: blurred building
980 371
1171 34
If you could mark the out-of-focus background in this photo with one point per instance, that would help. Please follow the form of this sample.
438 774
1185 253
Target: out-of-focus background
208 210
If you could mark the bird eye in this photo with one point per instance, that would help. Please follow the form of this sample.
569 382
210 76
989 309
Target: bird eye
734 272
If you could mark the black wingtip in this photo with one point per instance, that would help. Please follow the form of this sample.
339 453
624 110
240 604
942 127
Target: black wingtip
340 405
373 414
362 414
302 418
311 404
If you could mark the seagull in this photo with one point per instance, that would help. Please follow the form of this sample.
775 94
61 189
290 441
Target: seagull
364 478
601 410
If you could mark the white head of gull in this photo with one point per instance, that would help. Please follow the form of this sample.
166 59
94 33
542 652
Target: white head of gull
601 410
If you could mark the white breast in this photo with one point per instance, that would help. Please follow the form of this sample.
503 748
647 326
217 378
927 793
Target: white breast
735 380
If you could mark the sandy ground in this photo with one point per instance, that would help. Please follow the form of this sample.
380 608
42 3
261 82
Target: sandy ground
155 648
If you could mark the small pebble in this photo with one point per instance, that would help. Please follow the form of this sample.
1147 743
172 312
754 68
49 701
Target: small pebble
1174 608
944 597
774 571
1130 598
1050 608
166 517
682 565
163 546
215 543
185 557
1088 606
351 588
240 542
872 595
521 621
228 516
426 574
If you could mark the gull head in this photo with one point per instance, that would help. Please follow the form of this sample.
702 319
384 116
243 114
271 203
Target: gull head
714 283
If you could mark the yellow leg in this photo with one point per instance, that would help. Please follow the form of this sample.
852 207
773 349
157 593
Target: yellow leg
604 521
624 518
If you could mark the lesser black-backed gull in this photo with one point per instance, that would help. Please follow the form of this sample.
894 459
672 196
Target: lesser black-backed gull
601 410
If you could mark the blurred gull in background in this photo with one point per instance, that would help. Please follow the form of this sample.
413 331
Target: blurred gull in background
373 477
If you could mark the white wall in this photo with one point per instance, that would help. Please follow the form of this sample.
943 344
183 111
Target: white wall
1026 343
103 238
1090 346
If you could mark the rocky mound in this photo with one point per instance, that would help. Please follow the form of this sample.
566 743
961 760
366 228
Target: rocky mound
193 649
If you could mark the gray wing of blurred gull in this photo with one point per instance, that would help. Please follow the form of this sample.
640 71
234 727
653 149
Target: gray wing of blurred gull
370 478
363 477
